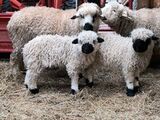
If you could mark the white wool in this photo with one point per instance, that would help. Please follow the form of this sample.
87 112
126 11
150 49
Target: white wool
47 51
30 22
118 55
123 20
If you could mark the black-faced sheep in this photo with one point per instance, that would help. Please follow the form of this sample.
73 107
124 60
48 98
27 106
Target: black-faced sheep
129 56
74 53
30 22
123 20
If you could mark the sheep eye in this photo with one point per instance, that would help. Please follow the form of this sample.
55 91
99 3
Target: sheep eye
81 16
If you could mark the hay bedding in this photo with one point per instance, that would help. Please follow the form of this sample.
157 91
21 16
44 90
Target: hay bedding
105 101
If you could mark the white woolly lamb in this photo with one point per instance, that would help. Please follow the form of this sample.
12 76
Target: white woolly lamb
74 53
129 56
123 20
30 22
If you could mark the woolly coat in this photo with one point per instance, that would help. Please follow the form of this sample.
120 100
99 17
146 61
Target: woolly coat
117 54
47 51
124 24
145 17
29 22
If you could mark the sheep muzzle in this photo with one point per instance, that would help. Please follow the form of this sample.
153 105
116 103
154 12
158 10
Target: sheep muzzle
88 26
87 48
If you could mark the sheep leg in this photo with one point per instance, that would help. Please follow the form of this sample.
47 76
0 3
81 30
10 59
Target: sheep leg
73 73
129 79
74 84
136 85
89 81
31 81
16 63
89 75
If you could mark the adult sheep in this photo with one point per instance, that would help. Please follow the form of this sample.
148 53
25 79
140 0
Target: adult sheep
74 53
123 20
30 22
128 56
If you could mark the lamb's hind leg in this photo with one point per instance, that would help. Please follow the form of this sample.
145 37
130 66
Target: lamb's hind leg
89 75
136 85
16 63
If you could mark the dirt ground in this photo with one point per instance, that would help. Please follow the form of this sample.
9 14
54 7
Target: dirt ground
105 101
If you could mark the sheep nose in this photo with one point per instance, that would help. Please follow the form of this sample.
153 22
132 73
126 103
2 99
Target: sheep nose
87 48
88 26
140 46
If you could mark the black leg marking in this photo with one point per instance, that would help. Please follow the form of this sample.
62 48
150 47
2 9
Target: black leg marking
89 84
24 72
130 92
137 78
34 91
73 92
137 88
26 85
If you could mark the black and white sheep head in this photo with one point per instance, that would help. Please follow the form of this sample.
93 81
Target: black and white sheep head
143 39
88 42
88 15
113 12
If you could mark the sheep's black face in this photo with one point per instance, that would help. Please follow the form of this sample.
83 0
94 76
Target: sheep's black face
88 26
140 45
87 48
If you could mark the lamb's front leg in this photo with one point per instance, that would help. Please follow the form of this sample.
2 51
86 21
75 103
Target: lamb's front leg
74 83
31 81
73 73
129 79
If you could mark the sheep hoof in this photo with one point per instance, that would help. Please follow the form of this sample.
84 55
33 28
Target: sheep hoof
34 91
26 85
89 84
73 92
136 89
130 92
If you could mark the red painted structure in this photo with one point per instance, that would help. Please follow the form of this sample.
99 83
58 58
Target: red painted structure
16 4
5 42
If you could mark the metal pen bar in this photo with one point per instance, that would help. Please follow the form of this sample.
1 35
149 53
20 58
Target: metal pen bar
77 3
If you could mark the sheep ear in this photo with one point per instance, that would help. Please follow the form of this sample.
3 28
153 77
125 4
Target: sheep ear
100 40
74 17
154 38
75 41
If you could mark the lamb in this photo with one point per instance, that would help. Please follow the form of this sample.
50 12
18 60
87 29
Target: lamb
123 20
76 54
30 22
129 56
